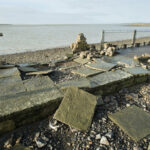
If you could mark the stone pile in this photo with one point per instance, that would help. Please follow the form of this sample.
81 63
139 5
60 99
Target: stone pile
80 44
109 50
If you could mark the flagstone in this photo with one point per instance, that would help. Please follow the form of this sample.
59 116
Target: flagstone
82 83
40 72
9 72
86 72
11 85
81 61
140 74
134 121
77 108
101 65
28 69
37 83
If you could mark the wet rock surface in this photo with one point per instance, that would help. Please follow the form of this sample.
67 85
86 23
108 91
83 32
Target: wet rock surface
103 133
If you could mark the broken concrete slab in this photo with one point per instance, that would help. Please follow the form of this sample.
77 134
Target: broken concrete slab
86 72
110 77
81 83
134 121
137 71
140 74
77 108
101 65
27 69
22 108
37 83
40 72
111 81
11 85
9 72
6 66
81 61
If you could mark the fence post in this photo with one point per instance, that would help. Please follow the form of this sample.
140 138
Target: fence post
134 38
102 40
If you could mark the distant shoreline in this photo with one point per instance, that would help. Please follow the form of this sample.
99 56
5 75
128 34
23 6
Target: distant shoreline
140 24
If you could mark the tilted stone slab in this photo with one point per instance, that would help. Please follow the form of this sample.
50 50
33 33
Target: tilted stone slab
9 72
77 108
37 83
133 121
11 85
81 61
101 65
86 72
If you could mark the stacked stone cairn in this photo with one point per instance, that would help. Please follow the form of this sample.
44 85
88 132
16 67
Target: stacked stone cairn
80 44
109 50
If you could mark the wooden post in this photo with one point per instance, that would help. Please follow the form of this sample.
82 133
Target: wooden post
134 38
102 40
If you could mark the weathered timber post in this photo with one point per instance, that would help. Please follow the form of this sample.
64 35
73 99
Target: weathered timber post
102 40
134 38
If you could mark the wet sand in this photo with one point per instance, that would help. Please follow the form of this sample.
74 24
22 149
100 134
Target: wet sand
45 56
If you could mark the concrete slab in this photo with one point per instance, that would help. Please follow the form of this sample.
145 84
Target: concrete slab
77 109
40 72
11 85
109 77
137 71
6 66
81 83
101 65
38 83
81 61
9 72
86 72
140 74
133 121
22 108
28 69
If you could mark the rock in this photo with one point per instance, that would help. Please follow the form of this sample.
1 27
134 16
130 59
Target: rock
137 148
1 34
98 137
148 60
102 52
104 141
92 47
80 44
148 146
40 143
110 51
109 135
89 56
83 55
106 45
20 147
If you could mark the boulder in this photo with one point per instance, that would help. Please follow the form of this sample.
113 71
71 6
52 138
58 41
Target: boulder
110 51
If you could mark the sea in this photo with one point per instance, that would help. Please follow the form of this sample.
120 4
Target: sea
23 38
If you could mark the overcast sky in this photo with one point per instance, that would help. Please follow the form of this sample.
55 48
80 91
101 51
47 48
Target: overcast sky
74 11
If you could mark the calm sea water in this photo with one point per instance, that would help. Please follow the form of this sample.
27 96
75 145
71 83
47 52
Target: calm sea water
21 38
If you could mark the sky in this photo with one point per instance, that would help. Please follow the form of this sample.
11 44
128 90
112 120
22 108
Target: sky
74 11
